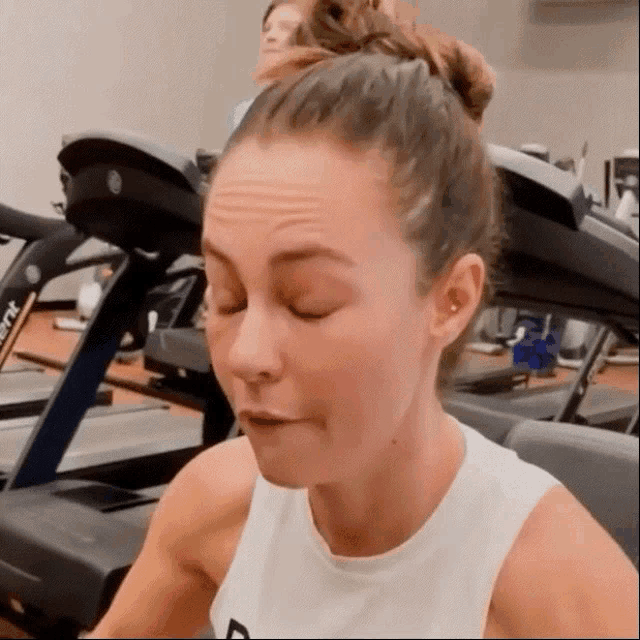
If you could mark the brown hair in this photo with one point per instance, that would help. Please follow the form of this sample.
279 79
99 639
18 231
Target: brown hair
417 98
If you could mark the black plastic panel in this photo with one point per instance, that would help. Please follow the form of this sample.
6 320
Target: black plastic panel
539 187
129 150
133 193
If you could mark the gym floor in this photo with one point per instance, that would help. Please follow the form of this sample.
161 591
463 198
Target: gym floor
40 338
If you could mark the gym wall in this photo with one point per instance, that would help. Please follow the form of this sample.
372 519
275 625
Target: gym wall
566 74
173 69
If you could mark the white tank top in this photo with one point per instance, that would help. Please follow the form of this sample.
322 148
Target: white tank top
284 582
238 113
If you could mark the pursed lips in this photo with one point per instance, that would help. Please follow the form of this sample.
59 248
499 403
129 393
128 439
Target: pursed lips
263 418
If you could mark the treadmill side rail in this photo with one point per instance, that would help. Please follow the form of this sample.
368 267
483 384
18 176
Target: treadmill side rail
76 388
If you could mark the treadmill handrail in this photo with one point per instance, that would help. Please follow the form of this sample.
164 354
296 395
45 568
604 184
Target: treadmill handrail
56 426
27 226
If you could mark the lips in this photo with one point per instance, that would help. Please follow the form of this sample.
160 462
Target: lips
263 418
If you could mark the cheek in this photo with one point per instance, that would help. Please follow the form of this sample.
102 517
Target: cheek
361 372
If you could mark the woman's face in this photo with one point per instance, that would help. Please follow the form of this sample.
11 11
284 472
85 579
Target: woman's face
278 31
312 309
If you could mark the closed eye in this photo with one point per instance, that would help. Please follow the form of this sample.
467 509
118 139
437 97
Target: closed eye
230 310
308 316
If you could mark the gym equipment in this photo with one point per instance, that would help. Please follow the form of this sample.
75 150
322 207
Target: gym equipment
129 431
536 150
554 277
544 202
25 393
625 176
526 335
63 550
47 253
90 548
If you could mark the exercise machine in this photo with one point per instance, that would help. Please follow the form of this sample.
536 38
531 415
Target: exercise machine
547 198
46 254
63 550
568 274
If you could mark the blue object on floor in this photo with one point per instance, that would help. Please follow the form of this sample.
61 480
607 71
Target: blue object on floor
536 343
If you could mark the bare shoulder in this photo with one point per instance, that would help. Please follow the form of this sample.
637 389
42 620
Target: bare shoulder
210 495
565 577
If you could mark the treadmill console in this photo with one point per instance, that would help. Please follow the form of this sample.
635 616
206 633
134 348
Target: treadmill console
540 188
132 192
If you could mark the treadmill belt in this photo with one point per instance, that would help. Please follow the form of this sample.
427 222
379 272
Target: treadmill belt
107 437
26 393
602 404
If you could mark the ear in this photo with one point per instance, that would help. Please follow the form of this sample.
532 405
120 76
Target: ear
455 298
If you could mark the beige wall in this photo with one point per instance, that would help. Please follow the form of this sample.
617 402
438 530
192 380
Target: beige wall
173 69
565 75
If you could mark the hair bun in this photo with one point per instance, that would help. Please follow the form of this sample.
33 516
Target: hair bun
362 23
336 27
464 67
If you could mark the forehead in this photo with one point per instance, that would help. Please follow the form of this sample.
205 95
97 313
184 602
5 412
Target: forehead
306 189
285 12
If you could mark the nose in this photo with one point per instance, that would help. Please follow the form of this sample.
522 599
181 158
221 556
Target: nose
254 354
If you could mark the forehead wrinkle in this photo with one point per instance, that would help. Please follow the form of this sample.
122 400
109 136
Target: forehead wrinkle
263 199
260 186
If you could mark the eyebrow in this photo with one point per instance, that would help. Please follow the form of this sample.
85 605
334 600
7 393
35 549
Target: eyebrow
305 252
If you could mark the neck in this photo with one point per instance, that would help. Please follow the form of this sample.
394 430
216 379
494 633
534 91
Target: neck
385 506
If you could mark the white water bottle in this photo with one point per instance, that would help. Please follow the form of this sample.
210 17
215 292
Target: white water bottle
88 299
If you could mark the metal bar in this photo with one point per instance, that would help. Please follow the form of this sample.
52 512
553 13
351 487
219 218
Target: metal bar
76 388
27 226
633 425
582 380
36 264
101 258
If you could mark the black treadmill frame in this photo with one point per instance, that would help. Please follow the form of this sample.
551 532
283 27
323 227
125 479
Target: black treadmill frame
118 309
45 256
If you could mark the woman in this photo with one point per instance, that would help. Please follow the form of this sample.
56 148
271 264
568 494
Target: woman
349 231
281 28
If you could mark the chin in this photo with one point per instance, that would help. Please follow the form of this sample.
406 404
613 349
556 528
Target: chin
279 471
282 481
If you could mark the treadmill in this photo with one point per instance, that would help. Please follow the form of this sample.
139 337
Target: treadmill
570 274
63 550
47 254
66 544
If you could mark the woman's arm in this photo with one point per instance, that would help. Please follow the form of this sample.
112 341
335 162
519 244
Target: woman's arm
565 577
168 591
